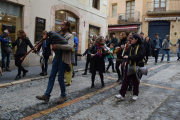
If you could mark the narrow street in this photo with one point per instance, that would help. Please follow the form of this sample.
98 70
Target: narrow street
159 98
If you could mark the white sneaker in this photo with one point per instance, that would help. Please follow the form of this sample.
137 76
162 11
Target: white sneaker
119 97
135 97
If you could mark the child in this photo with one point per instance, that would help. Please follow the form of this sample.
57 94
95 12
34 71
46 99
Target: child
110 58
88 58
98 53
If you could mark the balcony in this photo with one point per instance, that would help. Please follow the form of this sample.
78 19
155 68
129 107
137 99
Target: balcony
163 7
125 18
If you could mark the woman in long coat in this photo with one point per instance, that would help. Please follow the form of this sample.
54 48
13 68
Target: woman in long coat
98 53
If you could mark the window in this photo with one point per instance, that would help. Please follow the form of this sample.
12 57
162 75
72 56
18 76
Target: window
159 5
130 9
96 4
114 10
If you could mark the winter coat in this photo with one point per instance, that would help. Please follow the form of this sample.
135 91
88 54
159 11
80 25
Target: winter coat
4 45
166 44
122 42
147 46
22 47
154 43
97 63
138 57
115 41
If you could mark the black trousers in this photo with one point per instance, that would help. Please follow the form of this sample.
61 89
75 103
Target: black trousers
87 64
18 63
118 63
101 76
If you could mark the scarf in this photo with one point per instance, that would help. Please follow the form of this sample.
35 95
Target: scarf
99 50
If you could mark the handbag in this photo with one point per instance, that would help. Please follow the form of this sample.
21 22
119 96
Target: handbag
132 68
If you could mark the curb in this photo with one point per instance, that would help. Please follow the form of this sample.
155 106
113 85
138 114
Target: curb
33 79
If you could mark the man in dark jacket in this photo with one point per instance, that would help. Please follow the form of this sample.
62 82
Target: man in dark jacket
114 40
5 35
157 45
142 37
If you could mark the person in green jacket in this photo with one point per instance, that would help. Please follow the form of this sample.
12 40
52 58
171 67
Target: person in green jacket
110 58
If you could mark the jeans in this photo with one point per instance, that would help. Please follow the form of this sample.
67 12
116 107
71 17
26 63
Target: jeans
168 55
4 56
111 63
156 55
57 66
45 66
178 52
18 63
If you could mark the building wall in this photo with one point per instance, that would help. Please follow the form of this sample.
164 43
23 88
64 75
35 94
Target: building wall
46 9
121 9
176 24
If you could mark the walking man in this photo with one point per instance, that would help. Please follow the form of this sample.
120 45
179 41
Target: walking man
157 44
166 48
62 58
5 52
114 41
178 50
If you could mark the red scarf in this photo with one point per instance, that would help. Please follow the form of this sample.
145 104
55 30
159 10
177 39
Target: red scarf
99 50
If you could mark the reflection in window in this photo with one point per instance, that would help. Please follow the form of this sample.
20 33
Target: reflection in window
10 20
64 15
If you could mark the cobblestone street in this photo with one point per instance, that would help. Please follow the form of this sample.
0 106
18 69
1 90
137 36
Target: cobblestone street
159 98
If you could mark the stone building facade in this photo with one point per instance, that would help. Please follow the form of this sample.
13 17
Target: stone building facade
88 17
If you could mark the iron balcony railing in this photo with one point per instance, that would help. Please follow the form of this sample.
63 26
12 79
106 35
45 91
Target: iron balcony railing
125 18
164 6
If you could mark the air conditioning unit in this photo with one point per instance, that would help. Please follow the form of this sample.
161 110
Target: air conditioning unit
121 17
126 20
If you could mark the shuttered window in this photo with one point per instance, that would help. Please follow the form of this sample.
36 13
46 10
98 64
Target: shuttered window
130 6
114 10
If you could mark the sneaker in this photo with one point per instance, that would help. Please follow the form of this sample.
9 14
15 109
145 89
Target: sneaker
135 97
62 99
3 69
85 73
46 99
161 61
119 97
168 61
7 69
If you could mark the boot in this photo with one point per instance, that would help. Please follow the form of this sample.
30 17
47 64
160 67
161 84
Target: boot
92 85
62 100
24 73
18 77
46 99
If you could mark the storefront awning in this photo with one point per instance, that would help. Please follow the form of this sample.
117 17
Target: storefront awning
123 28
162 18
